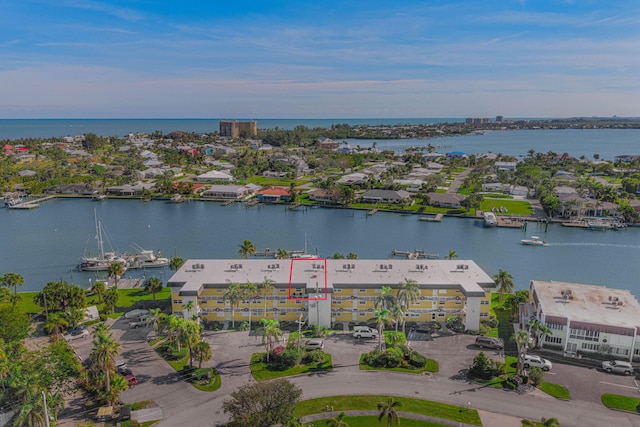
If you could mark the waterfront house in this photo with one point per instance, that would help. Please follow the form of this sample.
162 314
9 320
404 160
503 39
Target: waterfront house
327 143
356 178
327 291
226 192
586 319
323 195
446 200
77 188
506 166
386 196
274 195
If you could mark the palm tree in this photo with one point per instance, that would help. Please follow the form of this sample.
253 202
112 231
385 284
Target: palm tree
282 254
99 288
12 280
250 292
271 335
175 263
388 410
233 295
118 385
452 255
338 421
153 285
111 299
504 280
544 422
189 336
247 248
386 300
382 318
408 293
103 355
155 319
202 352
116 270
397 315
55 324
266 287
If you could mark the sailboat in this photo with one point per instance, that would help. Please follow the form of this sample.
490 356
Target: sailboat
146 258
103 260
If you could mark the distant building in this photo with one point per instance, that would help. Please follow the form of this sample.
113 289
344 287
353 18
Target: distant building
233 128
499 119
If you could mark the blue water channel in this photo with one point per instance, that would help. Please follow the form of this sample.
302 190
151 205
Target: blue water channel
46 243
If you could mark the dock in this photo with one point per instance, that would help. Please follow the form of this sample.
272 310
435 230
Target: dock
125 283
417 254
30 203
431 218
372 212
228 202
509 222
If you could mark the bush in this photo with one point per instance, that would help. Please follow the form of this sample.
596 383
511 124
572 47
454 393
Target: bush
289 358
103 317
391 358
536 375
482 368
244 326
417 360
314 356
455 324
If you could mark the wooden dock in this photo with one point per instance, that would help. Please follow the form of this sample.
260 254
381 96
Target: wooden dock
228 202
30 203
508 222
125 283
431 218
372 212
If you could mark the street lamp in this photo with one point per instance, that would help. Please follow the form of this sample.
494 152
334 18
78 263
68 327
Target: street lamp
300 322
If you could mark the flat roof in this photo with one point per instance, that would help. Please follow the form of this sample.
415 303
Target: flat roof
463 274
587 303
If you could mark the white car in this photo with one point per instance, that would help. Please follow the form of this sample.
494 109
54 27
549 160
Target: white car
531 361
314 344
618 366
76 334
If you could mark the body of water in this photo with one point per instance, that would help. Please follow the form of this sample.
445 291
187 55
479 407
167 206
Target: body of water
46 244
606 143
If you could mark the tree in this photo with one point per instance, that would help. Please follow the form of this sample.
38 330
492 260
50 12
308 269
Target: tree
103 356
234 295
338 421
99 288
544 422
388 410
282 254
118 384
250 292
111 299
153 285
263 404
61 296
352 255
202 352
116 270
175 263
382 318
188 334
271 334
246 248
408 293
452 254
55 324
504 280
386 300
12 280
266 286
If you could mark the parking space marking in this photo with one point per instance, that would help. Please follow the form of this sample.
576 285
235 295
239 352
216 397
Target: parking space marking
619 385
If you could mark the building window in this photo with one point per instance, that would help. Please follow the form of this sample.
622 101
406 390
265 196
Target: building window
581 334
338 291
553 340
484 302
555 326
362 302
177 301
362 290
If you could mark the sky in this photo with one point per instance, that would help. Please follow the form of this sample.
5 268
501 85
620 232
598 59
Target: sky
319 59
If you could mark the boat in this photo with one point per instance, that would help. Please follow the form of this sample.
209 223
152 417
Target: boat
103 260
176 198
599 224
533 241
490 219
146 258
98 197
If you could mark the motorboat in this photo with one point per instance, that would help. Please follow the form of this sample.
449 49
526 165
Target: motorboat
490 219
146 258
533 241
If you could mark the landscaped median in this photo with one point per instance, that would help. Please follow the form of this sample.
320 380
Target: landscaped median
205 379
397 357
622 403
286 365
436 410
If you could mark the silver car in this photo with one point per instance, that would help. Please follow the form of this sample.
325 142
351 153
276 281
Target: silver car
618 366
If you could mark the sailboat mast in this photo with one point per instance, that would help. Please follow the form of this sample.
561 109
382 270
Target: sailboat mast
99 234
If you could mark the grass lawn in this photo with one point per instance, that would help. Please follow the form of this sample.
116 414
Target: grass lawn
514 207
215 383
402 338
373 421
555 390
431 366
177 360
261 371
624 403
496 196
26 304
370 402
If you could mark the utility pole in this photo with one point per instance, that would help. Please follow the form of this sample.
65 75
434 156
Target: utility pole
300 322
317 305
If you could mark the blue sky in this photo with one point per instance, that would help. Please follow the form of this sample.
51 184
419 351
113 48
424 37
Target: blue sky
318 59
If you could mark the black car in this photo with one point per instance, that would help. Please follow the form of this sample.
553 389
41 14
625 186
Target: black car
125 371
423 328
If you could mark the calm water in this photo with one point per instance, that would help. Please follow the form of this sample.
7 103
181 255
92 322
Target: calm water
46 244
607 143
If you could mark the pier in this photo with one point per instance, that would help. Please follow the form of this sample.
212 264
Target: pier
431 218
417 254
29 203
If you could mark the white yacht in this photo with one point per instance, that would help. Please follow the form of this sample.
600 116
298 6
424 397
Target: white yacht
533 241
490 219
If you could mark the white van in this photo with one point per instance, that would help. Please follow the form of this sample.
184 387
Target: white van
364 332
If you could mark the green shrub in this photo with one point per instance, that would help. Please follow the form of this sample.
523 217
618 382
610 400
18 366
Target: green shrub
103 317
536 375
314 356
417 360
289 358
391 358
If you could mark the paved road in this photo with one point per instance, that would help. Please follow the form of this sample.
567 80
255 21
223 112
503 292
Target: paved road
232 352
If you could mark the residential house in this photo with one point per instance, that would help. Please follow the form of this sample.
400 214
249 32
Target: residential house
355 178
323 195
327 143
506 166
215 176
226 192
274 195
446 200
386 196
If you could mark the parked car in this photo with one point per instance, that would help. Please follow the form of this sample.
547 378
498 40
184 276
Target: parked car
76 334
489 342
131 380
124 371
618 367
423 328
364 332
120 364
138 324
125 413
314 344
532 361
